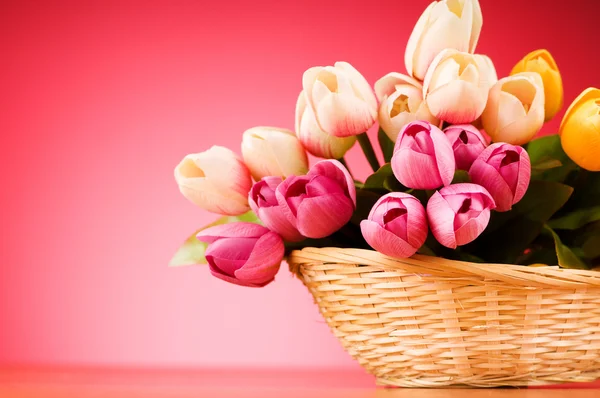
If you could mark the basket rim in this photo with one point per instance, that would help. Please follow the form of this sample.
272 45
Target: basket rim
431 266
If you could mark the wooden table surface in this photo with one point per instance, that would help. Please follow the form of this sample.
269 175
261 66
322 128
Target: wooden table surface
29 382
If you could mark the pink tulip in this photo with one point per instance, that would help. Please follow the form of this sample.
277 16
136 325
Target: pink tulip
397 225
216 180
321 202
467 143
504 170
423 157
243 253
459 213
264 203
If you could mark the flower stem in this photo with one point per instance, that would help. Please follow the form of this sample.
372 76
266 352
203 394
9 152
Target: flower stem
365 145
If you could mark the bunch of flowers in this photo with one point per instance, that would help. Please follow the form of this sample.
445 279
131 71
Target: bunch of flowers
463 177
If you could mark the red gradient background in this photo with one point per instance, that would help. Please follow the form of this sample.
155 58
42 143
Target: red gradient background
101 99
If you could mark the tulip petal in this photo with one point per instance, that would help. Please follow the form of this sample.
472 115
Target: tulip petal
476 26
415 39
359 83
524 176
384 241
202 192
386 86
587 94
489 177
336 171
417 222
321 216
231 230
444 155
441 220
344 115
234 280
457 102
229 254
416 170
264 260
318 142
472 228
300 108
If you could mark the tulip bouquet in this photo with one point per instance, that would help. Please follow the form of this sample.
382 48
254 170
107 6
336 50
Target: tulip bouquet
463 176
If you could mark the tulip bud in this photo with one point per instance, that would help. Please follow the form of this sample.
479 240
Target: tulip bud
504 170
580 130
243 253
423 157
215 180
340 98
397 225
467 143
515 109
540 61
321 202
444 24
315 140
401 99
270 151
456 86
263 202
459 213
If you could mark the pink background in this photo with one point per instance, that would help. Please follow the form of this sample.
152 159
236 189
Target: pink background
101 99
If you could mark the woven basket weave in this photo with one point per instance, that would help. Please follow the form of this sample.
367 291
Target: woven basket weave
432 322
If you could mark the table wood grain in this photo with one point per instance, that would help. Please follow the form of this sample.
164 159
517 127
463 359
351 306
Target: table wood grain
89 382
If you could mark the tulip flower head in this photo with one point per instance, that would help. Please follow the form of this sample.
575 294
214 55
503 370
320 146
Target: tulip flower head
504 170
467 143
456 86
319 203
580 130
541 62
397 225
264 204
459 213
270 151
314 139
401 102
454 24
215 180
515 109
423 157
242 253
340 98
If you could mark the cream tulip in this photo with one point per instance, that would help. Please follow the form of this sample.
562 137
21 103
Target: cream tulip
456 86
341 99
515 109
454 24
401 102
541 61
271 151
315 140
216 180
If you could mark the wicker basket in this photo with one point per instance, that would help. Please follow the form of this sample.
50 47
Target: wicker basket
432 322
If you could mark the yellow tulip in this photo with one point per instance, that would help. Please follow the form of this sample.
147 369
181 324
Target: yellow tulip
580 130
541 61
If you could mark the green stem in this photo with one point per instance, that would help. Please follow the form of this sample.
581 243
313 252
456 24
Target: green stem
343 162
365 145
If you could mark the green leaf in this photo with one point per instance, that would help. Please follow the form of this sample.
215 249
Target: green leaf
591 247
566 257
192 250
365 200
461 176
546 164
545 154
509 233
383 180
576 219
386 145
